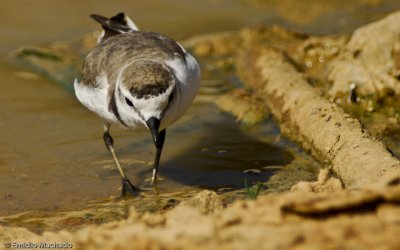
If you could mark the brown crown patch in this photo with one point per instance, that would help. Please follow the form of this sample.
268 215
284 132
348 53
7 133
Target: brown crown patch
146 79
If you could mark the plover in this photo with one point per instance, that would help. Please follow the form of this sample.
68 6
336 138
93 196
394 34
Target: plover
138 80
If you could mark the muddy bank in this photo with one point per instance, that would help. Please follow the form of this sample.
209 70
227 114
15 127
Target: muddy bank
296 220
370 60
336 65
320 126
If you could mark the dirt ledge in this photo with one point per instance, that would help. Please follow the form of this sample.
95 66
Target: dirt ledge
292 220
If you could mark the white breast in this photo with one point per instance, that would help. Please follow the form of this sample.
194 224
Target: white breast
95 99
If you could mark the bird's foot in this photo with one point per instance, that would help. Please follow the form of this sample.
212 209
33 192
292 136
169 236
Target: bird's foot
127 187
154 181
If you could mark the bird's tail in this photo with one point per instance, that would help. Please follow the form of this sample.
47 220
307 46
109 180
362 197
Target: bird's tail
115 25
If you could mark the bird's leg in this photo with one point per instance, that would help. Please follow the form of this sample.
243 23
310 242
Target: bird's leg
159 146
126 184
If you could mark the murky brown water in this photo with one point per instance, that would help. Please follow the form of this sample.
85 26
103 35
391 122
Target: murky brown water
52 154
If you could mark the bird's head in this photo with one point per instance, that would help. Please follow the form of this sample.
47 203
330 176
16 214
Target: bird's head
146 89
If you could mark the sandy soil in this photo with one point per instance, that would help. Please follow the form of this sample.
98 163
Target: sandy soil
301 219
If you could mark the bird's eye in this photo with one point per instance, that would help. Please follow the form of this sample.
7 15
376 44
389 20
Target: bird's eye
128 102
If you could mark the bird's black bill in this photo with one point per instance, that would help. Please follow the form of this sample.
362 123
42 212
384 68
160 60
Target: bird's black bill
158 138
154 124
159 147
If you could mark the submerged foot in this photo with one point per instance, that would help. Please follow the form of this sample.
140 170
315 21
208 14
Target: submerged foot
153 182
127 187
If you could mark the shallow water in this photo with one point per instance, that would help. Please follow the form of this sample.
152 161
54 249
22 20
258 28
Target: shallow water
52 154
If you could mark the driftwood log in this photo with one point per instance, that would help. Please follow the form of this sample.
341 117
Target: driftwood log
323 128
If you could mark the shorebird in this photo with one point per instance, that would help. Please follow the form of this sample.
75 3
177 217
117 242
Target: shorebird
138 80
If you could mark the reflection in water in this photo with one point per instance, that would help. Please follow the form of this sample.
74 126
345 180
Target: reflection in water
220 157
